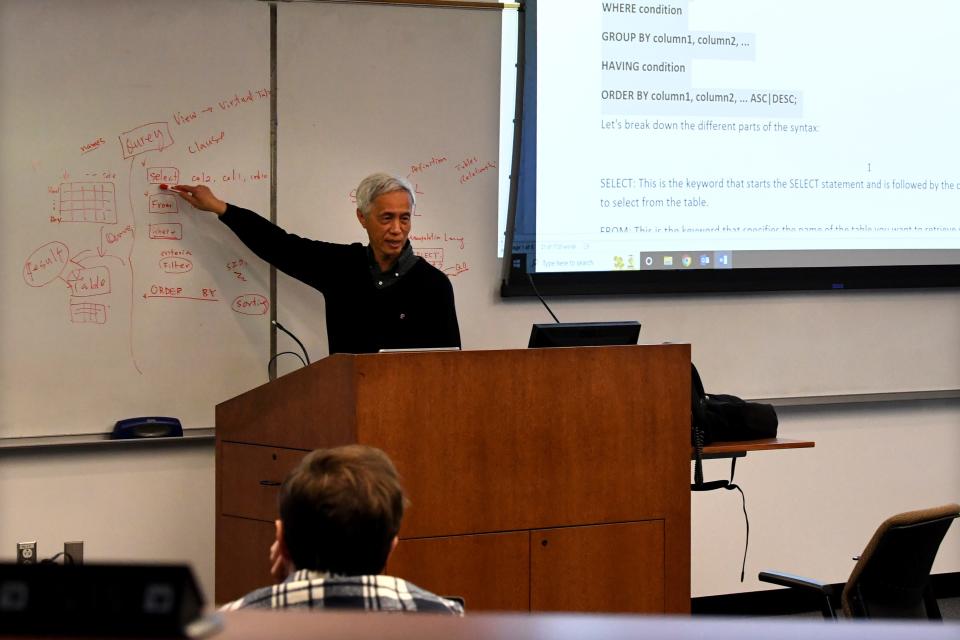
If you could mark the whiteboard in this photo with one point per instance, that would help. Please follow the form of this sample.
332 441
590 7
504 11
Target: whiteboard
119 302
415 90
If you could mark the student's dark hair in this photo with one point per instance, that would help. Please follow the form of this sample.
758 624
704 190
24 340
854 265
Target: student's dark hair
341 509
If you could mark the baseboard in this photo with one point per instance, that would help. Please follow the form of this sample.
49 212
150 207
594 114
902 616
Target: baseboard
781 602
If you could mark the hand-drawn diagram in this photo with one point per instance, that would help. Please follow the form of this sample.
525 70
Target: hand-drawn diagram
86 312
53 262
100 277
87 202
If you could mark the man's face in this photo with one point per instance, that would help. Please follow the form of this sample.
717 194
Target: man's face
388 226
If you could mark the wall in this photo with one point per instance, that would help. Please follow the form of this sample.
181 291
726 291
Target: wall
145 503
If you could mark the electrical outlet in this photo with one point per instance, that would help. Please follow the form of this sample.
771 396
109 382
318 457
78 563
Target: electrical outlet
27 552
73 552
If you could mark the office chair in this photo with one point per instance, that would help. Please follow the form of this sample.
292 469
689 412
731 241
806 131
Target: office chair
892 576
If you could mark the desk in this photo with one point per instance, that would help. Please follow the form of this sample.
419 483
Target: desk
734 449
740 448
298 625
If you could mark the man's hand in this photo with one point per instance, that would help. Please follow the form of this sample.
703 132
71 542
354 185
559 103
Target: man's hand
200 197
279 568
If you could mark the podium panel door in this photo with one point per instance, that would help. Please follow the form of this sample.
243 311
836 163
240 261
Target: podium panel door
491 572
617 568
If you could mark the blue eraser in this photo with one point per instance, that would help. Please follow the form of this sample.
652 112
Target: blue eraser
147 427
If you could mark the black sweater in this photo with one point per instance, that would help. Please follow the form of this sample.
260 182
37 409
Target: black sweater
415 311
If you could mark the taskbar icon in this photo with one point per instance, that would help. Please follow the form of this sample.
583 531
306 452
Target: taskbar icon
684 260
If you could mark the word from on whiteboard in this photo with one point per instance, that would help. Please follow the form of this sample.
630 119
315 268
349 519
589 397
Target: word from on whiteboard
162 203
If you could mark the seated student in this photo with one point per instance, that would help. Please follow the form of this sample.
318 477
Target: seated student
340 511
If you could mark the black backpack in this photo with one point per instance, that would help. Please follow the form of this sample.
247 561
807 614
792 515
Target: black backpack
724 417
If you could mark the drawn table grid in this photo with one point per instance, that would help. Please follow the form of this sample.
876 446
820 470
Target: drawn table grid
86 312
88 202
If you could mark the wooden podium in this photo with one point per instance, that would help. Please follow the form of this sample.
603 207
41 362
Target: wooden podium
538 479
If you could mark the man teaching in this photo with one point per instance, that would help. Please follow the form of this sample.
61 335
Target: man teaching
379 296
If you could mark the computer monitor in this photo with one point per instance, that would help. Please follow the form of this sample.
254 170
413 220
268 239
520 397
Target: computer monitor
98 600
584 334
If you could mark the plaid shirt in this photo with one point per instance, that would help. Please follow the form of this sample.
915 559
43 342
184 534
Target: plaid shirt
305 589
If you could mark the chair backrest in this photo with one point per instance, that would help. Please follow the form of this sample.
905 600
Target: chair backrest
892 576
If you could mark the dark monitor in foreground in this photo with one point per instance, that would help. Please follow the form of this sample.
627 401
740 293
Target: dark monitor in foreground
584 334
98 600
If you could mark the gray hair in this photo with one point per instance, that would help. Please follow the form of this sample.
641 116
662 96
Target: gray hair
377 184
